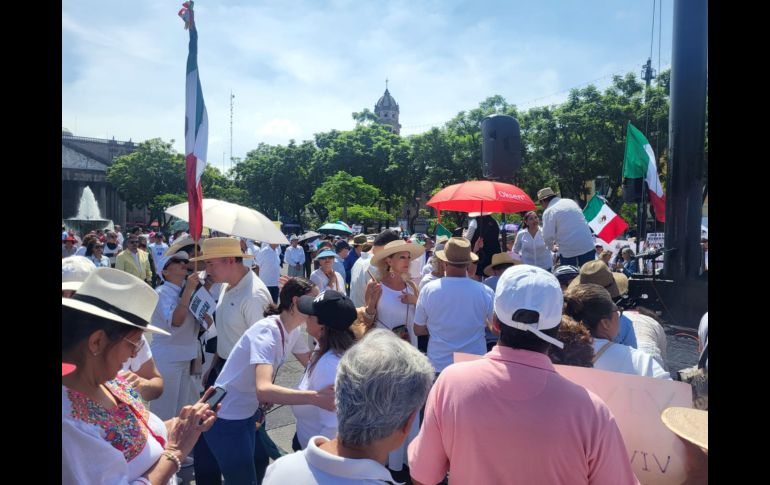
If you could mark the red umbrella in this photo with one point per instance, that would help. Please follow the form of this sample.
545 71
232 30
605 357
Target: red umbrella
481 196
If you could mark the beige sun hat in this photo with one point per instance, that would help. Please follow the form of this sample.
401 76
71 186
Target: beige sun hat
457 250
397 246
221 247
501 258
118 296
179 244
689 424
544 193
74 270
597 272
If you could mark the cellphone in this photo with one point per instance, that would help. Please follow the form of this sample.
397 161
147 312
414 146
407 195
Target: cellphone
216 398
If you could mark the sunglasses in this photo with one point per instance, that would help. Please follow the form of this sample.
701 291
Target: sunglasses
137 345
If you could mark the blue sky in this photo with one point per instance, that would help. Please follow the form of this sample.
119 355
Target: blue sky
301 67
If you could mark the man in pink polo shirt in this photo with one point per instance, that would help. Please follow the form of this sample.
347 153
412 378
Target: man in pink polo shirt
509 417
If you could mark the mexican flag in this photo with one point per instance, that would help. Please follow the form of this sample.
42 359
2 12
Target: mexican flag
606 224
196 128
442 231
639 162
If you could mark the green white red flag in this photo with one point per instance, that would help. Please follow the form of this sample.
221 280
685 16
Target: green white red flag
603 221
639 162
196 128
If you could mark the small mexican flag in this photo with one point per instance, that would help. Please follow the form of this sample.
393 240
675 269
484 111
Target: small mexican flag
606 224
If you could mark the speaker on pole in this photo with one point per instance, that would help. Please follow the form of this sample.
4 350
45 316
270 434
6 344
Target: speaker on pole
501 147
632 190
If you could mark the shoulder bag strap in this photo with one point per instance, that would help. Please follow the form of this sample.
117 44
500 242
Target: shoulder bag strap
601 351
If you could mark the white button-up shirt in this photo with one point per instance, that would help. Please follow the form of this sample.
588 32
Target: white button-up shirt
269 263
563 222
533 249
359 277
294 255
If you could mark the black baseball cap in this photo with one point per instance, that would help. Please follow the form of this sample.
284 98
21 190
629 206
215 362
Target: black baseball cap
332 308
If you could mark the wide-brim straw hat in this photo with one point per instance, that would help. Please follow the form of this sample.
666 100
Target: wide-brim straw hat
457 250
599 273
501 258
689 424
118 296
221 247
181 243
394 247
74 271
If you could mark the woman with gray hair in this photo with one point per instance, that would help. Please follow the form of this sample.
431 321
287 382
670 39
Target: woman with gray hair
381 384
437 268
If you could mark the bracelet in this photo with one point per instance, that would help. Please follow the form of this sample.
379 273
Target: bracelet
369 315
172 457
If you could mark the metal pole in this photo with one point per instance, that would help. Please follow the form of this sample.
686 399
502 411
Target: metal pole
687 122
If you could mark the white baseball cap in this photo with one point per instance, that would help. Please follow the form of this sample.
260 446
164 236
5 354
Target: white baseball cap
525 287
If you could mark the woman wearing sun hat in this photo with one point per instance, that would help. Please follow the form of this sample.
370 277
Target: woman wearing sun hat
108 436
325 276
391 302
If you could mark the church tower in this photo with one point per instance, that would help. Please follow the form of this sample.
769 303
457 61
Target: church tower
386 110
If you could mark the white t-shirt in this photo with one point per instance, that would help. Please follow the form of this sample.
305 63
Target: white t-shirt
261 344
269 265
157 251
454 310
312 420
427 279
627 360
322 281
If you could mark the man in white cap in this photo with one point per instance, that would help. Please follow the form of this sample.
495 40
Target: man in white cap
565 224
509 417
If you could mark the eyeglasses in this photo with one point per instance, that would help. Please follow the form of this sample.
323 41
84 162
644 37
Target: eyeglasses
137 346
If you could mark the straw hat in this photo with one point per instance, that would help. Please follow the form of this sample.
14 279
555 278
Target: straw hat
597 272
545 193
181 243
501 258
689 424
397 246
221 247
118 296
457 250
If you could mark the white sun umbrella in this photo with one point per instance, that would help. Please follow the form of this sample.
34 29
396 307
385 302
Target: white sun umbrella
234 219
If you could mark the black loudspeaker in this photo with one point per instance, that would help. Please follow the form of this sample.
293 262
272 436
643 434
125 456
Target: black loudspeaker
632 190
500 146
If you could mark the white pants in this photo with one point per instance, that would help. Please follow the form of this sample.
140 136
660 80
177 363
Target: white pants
176 388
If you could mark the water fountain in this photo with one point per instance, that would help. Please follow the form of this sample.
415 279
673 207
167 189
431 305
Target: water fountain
88 217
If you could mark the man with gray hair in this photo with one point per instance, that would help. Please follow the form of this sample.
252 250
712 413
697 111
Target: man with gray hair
381 384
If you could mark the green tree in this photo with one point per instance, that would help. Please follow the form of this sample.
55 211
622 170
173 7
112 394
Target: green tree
153 169
364 117
341 191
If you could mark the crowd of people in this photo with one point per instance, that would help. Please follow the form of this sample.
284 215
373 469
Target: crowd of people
381 398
